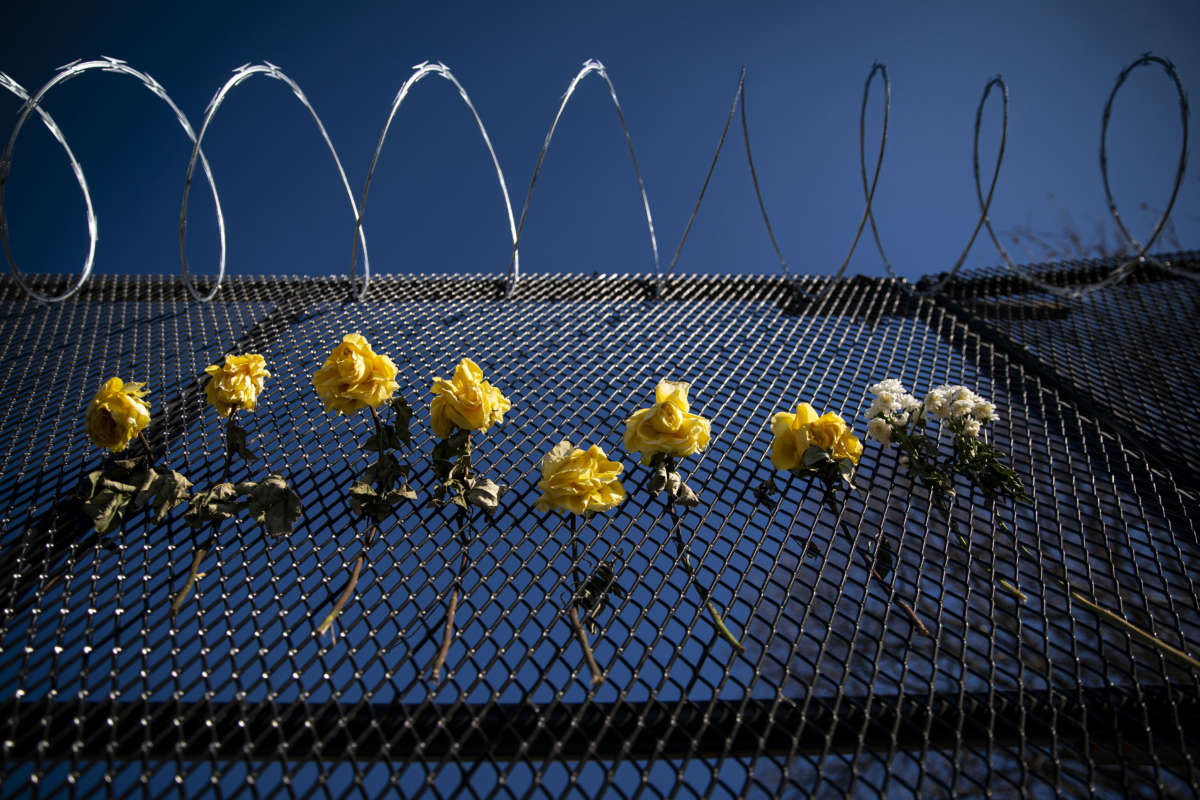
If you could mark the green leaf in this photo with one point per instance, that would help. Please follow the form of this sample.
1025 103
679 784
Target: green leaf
106 508
275 506
813 456
403 413
845 469
237 442
658 481
394 496
385 472
485 494
212 505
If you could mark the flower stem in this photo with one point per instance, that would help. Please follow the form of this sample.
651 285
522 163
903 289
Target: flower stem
580 632
448 630
348 592
146 444
1116 618
870 563
228 449
900 601
327 623
1004 583
686 563
194 574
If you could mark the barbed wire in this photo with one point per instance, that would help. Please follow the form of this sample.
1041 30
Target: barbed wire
516 225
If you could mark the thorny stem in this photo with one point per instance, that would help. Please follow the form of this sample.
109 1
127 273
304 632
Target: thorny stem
580 633
194 573
327 623
686 562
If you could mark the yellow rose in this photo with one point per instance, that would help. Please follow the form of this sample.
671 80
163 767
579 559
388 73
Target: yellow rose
847 446
117 414
354 376
667 427
236 383
795 433
579 481
466 401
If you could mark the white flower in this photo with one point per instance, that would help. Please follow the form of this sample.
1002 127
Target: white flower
984 411
891 386
936 404
961 408
971 426
880 430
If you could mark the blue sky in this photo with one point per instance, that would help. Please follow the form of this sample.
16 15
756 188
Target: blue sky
435 205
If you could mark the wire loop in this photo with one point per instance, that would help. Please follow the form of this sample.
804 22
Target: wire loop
590 66
241 74
65 73
420 71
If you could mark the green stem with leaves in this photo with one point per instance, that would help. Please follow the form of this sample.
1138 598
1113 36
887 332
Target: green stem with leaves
580 632
686 563
202 550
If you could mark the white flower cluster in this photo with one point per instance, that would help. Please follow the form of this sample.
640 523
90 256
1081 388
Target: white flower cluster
892 408
959 404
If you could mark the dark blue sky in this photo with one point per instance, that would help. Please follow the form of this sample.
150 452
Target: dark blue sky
435 205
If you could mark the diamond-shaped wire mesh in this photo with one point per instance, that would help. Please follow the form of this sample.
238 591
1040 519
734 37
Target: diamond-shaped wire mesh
103 691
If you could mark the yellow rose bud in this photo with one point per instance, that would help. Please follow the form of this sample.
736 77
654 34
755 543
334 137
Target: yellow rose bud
354 376
579 481
237 383
667 427
117 414
795 433
466 402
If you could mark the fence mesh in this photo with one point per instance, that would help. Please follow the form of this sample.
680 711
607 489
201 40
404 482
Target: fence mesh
102 690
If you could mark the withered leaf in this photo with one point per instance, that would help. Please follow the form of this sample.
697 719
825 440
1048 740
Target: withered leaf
274 505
